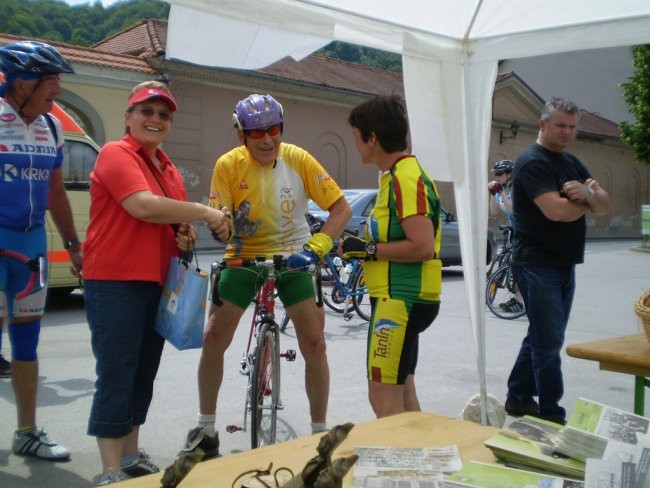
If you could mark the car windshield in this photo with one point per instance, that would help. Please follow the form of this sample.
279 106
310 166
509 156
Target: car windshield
350 196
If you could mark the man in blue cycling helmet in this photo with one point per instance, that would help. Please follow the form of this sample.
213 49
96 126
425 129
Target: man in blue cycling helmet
31 181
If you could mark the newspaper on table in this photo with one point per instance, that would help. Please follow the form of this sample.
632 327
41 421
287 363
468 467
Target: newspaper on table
422 481
593 425
483 475
622 466
380 464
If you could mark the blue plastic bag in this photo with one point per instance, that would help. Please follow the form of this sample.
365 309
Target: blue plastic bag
181 312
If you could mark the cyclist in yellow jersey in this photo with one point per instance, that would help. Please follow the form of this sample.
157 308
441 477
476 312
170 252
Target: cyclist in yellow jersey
402 269
266 184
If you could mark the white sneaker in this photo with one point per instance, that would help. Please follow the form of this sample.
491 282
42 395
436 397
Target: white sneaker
110 478
37 444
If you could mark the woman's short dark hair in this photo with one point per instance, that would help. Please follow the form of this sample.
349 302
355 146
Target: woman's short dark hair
385 116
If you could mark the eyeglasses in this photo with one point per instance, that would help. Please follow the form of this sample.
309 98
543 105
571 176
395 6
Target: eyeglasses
274 130
148 112
500 173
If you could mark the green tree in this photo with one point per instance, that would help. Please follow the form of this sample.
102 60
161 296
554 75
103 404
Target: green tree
636 93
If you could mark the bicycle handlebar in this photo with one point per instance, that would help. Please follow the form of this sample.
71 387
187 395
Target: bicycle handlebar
36 267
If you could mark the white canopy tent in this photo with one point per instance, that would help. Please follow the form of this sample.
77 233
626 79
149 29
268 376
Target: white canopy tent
450 52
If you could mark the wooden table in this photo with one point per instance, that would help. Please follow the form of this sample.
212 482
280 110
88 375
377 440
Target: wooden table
412 429
626 354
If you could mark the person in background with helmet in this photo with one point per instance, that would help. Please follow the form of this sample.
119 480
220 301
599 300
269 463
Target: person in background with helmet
501 191
31 182
270 182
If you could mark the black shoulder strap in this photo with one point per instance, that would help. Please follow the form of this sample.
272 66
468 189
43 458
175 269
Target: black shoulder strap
50 123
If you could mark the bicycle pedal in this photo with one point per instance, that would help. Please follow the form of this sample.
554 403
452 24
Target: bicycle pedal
347 317
289 355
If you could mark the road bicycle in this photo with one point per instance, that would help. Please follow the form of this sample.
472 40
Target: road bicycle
260 362
501 288
342 281
344 287
503 254
36 267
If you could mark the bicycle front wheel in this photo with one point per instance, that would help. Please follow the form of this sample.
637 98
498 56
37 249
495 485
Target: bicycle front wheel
500 293
265 386
360 297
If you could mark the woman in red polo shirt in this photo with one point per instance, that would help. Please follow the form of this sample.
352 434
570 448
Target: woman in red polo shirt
139 219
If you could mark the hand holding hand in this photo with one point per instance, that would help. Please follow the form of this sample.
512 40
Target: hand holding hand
301 260
353 248
223 231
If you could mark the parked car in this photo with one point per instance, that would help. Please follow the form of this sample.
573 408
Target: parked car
362 200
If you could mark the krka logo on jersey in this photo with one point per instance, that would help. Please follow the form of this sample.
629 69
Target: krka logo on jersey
8 172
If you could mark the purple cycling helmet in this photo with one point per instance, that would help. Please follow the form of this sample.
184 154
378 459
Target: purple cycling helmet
256 112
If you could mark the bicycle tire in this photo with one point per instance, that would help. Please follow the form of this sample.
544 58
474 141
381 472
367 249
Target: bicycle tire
360 296
284 322
265 386
332 295
500 289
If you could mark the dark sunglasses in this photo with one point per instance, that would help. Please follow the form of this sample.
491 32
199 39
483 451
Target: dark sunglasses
274 130
149 112
499 173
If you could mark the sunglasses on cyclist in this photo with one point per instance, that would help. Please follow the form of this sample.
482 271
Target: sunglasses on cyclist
149 112
499 173
274 130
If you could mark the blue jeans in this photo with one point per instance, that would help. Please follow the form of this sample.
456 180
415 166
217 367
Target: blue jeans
127 351
548 294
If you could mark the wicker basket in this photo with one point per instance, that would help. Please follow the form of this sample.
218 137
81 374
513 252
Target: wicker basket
642 309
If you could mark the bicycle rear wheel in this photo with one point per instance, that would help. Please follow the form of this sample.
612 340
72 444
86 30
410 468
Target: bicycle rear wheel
360 297
500 290
265 386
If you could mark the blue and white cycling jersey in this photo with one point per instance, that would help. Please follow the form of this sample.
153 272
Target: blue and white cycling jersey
28 154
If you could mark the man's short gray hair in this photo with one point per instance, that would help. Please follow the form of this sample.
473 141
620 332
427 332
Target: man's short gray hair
561 104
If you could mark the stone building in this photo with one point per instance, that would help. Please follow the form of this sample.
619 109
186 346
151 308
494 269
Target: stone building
317 94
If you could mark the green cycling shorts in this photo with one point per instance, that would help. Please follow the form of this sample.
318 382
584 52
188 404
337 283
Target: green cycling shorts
239 285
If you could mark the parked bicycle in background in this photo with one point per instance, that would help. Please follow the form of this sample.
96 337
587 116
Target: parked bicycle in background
342 281
501 290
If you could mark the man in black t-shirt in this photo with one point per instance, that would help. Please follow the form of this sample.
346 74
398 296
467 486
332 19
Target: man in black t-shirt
552 192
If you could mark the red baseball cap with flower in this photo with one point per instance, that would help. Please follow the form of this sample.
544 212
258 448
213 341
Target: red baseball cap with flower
147 93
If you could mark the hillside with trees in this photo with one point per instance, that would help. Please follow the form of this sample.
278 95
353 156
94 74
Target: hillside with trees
89 23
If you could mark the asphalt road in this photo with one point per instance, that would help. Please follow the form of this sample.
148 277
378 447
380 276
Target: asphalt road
613 276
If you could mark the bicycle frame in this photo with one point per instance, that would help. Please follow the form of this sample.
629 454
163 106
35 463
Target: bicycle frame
343 292
260 361
37 271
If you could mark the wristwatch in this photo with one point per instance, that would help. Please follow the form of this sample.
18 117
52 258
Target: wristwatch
371 250
68 244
